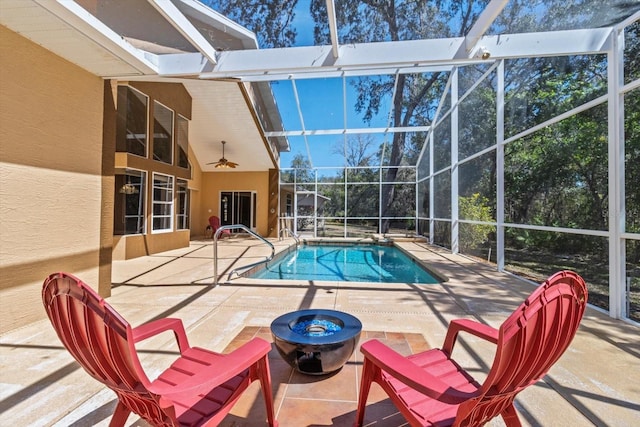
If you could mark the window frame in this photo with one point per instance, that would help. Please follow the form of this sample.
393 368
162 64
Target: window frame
183 206
125 116
142 201
169 200
179 118
171 138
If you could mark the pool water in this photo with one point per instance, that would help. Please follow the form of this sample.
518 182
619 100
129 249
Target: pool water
359 263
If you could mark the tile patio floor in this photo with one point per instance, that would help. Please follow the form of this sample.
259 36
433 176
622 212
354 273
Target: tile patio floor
596 382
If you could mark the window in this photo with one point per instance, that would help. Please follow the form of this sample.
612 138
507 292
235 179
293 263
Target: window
162 214
183 204
162 133
129 203
131 129
182 138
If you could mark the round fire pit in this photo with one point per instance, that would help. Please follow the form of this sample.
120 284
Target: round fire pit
316 342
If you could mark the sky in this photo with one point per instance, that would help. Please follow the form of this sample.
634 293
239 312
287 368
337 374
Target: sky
325 104
321 103
322 106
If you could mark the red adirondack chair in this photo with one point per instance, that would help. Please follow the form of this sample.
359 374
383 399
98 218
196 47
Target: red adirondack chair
431 389
214 223
200 386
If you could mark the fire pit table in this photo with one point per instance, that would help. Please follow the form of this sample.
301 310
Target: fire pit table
316 342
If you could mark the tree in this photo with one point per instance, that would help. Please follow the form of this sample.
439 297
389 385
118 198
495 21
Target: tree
538 87
474 207
413 103
356 150
270 20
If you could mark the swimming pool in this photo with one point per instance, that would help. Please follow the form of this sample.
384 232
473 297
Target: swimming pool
356 263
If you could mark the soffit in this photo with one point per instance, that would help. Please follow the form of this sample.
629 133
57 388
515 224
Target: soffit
70 32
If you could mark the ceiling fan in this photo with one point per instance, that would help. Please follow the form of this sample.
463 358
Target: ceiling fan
223 163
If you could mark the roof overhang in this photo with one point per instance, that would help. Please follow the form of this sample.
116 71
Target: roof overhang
222 110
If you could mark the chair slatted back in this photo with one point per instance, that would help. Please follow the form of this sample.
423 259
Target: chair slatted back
530 341
96 336
214 222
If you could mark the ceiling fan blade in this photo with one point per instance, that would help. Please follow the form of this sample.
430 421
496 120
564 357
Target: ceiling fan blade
223 163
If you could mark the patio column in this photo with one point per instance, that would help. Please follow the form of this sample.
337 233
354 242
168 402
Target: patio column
432 187
617 254
455 224
500 168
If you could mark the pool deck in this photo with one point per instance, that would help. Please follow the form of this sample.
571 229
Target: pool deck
596 382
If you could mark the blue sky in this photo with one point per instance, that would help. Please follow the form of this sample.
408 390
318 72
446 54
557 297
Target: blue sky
321 103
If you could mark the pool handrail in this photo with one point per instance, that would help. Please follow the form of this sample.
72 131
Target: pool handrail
215 249
291 233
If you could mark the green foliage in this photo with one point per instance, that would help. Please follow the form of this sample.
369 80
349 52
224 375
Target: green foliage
474 208
556 176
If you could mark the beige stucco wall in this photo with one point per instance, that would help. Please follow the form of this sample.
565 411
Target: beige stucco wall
50 174
215 182
197 218
134 246
175 97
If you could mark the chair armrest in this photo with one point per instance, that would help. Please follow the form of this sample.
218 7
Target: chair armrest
411 374
225 368
156 327
470 326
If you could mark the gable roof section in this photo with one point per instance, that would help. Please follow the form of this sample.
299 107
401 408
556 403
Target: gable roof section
127 40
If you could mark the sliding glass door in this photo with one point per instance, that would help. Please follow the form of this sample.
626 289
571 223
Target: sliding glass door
238 207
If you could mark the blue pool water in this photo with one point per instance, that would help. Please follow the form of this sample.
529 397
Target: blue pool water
359 263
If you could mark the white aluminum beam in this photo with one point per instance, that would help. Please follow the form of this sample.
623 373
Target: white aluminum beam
455 213
285 63
195 64
630 20
349 131
390 116
482 24
436 116
387 57
182 64
333 28
500 205
552 43
616 166
297 99
180 22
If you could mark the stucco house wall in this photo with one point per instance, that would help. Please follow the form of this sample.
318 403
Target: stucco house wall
213 183
57 186
51 183
175 97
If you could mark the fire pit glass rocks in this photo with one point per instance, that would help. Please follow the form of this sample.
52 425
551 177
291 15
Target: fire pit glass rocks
316 342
